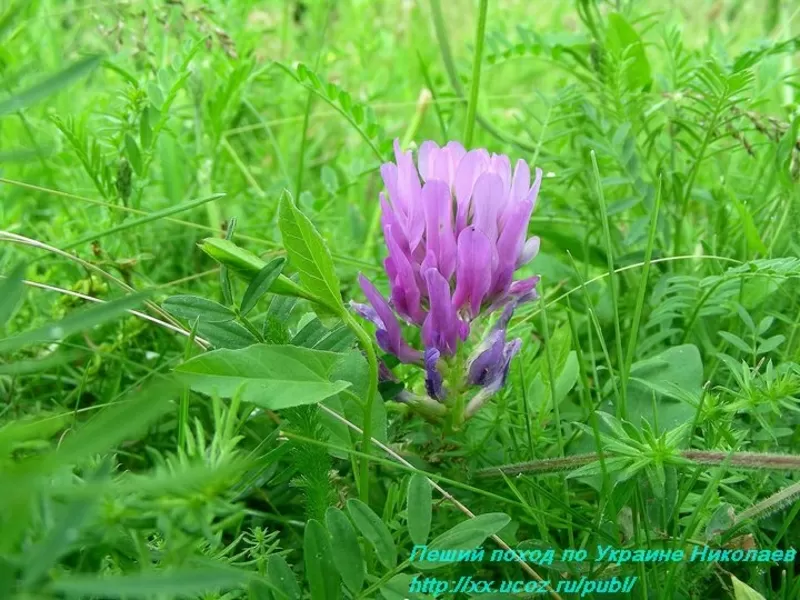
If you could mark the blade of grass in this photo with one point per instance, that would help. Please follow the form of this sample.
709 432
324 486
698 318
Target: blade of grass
475 83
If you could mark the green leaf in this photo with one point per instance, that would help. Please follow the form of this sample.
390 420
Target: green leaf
736 341
78 321
273 377
113 425
420 508
309 254
282 577
193 307
11 291
770 344
134 154
742 591
748 225
375 531
173 168
321 573
623 40
49 86
69 522
145 131
170 583
228 334
248 265
261 284
468 534
561 344
399 588
673 375
347 558
722 520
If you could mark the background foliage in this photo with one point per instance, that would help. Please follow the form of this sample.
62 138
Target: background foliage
222 158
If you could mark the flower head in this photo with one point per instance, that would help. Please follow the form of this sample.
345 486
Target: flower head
455 226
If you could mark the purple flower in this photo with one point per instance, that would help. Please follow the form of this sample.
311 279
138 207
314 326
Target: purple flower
455 226
388 333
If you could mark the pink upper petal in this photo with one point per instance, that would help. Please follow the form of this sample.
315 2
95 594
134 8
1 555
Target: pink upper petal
476 256
487 200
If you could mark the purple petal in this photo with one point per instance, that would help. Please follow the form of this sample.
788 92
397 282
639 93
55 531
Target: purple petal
441 327
385 373
366 312
524 290
471 166
405 291
520 185
534 193
487 201
489 390
476 256
488 366
427 151
409 189
501 165
529 251
388 333
519 292
510 244
390 219
488 363
456 152
439 238
389 176
509 352
434 384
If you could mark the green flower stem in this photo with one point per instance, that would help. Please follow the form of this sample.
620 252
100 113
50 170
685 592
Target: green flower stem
372 391
475 84
452 76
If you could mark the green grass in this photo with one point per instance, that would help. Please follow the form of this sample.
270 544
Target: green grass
655 403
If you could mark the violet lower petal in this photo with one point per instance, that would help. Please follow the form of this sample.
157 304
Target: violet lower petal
366 312
510 244
441 327
487 363
524 290
388 334
434 383
406 294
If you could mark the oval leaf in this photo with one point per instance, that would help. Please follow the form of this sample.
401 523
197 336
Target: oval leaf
375 531
193 307
309 254
273 377
742 591
281 576
469 534
420 506
347 558
320 571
